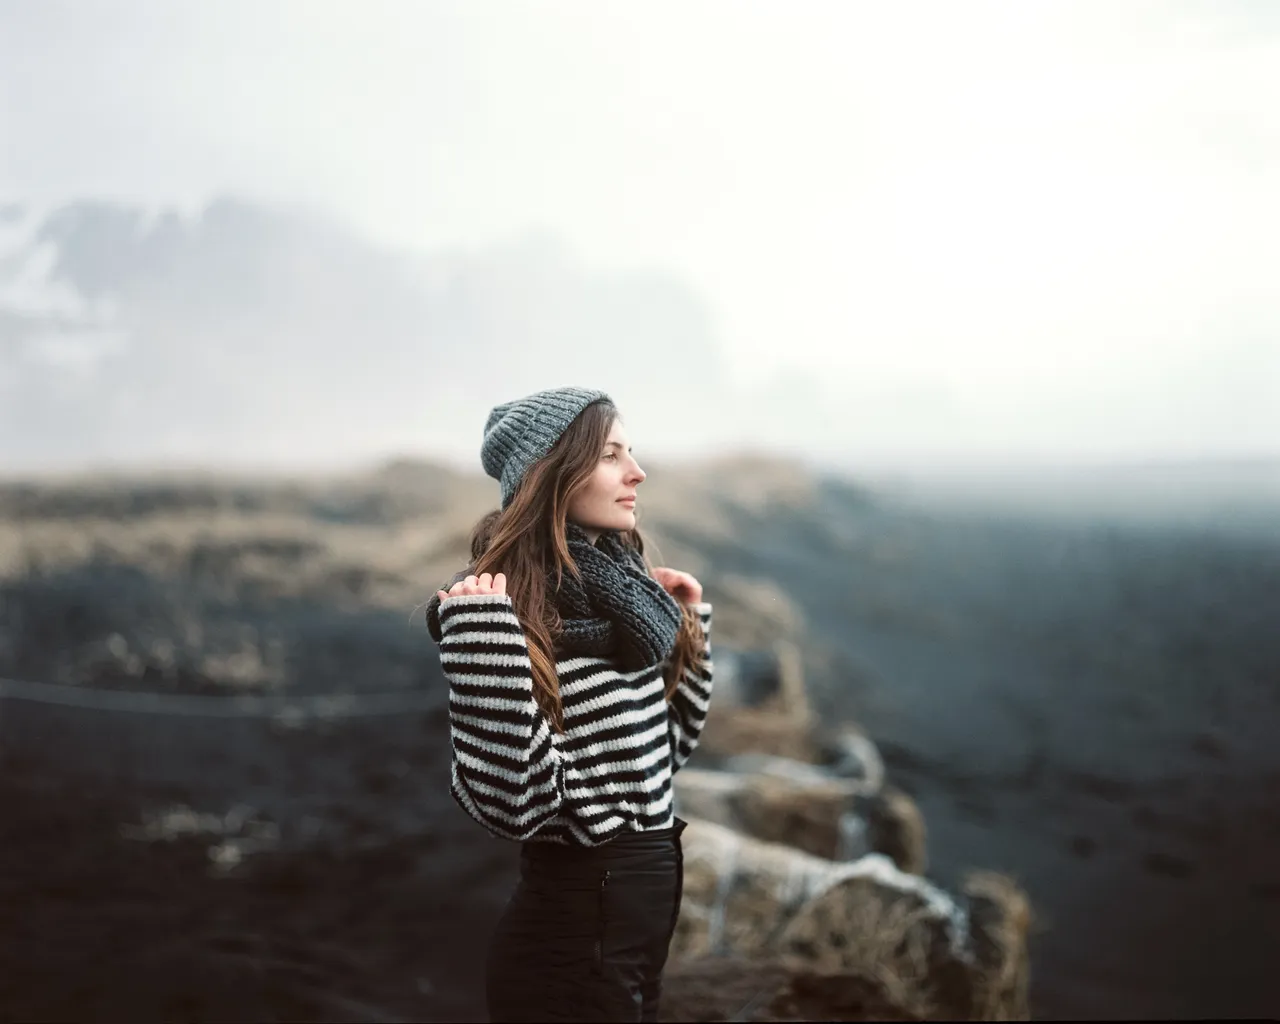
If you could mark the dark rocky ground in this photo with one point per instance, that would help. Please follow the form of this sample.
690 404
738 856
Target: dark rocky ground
361 892
101 927
1088 706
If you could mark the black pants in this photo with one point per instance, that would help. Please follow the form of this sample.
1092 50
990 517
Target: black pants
585 934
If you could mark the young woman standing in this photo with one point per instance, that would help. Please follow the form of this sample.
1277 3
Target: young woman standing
580 679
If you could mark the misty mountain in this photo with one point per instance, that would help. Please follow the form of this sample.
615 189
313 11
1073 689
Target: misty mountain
247 332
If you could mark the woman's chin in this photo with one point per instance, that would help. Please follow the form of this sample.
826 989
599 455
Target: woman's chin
621 519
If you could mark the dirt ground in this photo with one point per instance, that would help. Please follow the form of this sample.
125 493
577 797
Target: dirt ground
103 926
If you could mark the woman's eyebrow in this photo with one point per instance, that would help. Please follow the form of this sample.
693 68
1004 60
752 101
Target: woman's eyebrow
616 444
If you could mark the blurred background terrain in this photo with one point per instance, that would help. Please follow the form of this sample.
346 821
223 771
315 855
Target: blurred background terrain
948 336
1088 706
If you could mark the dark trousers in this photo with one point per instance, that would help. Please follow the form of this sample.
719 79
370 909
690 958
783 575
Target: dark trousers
585 934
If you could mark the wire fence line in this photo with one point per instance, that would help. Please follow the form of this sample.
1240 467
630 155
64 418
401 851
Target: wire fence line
324 706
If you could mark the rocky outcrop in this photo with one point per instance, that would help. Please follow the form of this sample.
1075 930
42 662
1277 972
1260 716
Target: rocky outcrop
826 818
839 810
805 896
761 706
839 933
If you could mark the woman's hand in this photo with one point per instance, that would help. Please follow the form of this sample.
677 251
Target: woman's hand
680 585
482 584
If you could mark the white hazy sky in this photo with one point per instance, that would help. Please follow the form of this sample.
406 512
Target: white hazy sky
1061 219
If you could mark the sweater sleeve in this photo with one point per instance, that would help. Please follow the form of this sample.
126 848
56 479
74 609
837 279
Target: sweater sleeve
687 712
507 772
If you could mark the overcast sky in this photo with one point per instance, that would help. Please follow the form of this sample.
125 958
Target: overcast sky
1060 220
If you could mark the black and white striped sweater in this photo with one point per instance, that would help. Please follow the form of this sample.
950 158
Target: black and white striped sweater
610 772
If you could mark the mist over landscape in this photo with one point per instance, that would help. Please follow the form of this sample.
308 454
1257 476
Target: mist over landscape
250 336
257 336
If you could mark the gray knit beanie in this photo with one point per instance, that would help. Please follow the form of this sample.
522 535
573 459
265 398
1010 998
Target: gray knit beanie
520 432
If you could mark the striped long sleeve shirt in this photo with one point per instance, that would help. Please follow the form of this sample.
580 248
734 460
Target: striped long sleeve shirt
608 773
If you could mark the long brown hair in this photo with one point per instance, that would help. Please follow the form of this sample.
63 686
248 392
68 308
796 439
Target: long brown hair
526 541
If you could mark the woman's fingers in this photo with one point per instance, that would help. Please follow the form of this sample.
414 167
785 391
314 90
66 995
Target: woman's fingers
485 583
682 586
671 579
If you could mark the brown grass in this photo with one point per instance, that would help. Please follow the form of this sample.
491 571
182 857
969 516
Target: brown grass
860 928
1002 919
387 538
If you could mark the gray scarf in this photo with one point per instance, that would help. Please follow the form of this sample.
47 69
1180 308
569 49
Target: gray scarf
616 610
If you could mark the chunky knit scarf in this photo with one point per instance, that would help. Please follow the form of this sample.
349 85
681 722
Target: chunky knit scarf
616 610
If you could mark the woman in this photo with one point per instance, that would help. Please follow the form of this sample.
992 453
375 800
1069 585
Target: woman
579 683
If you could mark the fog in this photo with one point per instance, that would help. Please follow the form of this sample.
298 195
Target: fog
924 237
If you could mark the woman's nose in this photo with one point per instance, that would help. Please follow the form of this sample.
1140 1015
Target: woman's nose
637 474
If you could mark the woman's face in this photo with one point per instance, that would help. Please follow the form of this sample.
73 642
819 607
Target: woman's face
608 500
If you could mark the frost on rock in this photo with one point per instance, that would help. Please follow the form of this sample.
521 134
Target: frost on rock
940 906
840 809
750 899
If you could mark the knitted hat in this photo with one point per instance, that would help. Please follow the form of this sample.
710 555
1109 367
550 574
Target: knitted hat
520 432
